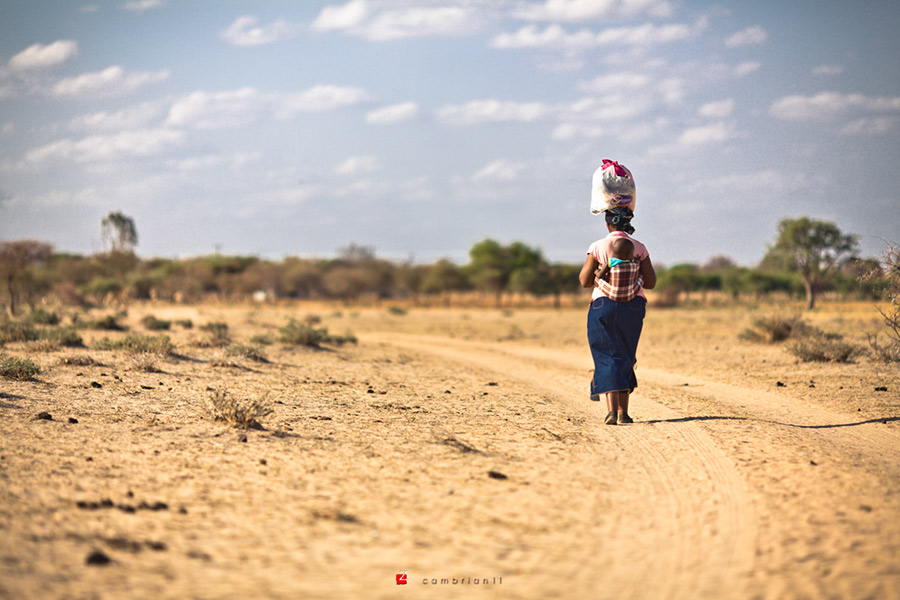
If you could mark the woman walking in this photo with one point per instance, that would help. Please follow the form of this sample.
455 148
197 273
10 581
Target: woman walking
614 325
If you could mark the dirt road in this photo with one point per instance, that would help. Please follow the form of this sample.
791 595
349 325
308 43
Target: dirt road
458 450
720 491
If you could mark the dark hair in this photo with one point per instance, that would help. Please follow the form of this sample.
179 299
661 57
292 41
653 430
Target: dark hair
620 218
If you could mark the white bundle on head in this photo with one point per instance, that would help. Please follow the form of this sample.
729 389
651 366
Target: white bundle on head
613 187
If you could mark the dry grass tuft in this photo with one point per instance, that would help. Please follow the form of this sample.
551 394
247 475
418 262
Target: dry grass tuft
254 353
21 369
238 412
79 360
146 362
823 349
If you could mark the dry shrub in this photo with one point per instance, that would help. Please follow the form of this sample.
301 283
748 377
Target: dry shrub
79 360
18 331
21 369
304 334
43 345
249 352
145 361
889 270
218 336
823 349
238 412
262 340
138 344
152 323
107 323
62 336
774 329
39 316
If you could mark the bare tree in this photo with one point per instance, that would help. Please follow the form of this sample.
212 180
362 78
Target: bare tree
119 232
15 258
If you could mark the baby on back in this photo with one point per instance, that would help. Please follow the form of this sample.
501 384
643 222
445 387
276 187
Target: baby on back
620 279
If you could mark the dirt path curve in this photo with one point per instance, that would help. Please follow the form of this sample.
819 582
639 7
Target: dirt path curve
727 492
686 528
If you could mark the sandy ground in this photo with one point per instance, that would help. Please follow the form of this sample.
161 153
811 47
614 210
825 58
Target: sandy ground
458 448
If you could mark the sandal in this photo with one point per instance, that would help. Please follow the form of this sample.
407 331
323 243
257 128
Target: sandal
625 419
610 418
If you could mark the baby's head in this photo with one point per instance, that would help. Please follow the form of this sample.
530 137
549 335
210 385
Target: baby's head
623 249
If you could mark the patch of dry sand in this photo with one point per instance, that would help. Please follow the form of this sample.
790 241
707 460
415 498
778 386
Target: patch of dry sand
454 444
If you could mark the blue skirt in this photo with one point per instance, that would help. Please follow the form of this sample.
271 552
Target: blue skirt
614 329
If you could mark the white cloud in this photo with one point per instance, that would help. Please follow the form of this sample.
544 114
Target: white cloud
616 82
556 37
321 98
499 170
493 111
235 108
347 16
745 68
142 5
751 36
356 165
379 23
395 113
39 56
214 110
828 70
871 126
142 143
717 110
132 117
244 32
828 105
584 10
706 134
108 82
213 161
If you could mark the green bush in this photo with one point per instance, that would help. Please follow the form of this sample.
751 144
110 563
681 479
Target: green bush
13 367
62 336
304 334
107 323
39 316
152 323
18 331
218 335
262 340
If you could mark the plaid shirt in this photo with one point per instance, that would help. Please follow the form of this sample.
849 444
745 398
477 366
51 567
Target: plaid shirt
625 281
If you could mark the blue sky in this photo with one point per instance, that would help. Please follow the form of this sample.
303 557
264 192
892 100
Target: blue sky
421 127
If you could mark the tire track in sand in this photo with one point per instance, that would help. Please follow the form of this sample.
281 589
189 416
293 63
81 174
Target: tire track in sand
686 528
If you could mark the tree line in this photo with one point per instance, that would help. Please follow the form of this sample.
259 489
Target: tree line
808 257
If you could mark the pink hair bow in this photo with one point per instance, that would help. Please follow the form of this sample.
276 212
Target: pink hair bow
620 170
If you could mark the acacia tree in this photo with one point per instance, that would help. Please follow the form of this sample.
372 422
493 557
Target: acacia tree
119 232
490 267
814 249
15 258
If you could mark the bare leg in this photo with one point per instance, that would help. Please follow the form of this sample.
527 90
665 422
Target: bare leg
623 402
612 404
612 401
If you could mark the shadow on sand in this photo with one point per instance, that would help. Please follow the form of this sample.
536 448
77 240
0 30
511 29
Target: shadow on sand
883 420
